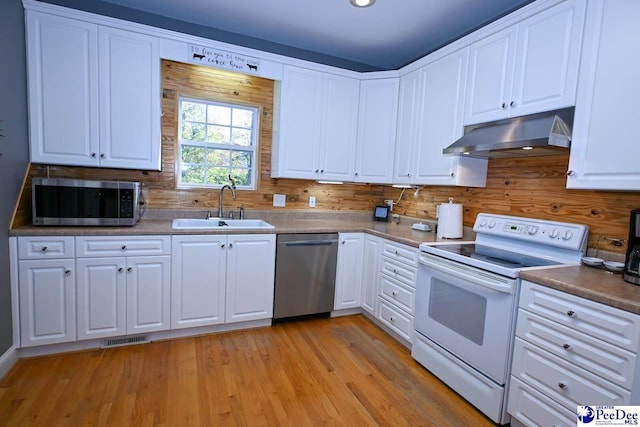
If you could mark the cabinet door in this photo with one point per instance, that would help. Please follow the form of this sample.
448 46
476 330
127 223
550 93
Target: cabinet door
490 74
295 151
198 271
349 271
148 294
370 273
101 297
62 57
129 100
409 122
47 302
250 277
443 83
547 56
339 128
604 149
377 130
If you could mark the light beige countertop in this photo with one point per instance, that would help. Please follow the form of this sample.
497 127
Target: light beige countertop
283 224
590 283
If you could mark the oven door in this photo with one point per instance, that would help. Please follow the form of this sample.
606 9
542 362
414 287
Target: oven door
468 311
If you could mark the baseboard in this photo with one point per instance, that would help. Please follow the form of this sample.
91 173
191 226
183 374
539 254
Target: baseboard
8 360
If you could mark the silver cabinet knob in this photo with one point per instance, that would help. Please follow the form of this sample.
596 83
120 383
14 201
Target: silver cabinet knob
124 247
67 272
392 319
571 173
562 386
44 248
571 313
566 347
120 269
93 154
512 104
230 245
130 269
394 293
102 156
222 246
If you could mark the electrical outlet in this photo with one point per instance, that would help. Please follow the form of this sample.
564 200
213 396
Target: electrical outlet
312 201
279 200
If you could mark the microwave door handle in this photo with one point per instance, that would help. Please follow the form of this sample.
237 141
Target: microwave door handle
460 271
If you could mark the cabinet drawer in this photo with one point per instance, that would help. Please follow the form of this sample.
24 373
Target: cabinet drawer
94 246
399 271
609 324
562 381
400 252
594 355
533 408
396 319
33 247
398 294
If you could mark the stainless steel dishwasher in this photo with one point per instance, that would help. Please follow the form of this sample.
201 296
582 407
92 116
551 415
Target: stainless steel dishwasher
305 274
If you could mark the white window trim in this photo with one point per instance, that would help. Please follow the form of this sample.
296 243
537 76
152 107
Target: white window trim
253 148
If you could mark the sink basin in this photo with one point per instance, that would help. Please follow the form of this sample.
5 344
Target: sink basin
219 223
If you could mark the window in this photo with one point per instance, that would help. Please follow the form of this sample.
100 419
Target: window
217 140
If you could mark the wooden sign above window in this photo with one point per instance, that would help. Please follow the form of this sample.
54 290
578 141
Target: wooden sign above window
222 59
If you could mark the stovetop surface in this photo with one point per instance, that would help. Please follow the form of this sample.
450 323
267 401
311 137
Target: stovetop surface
496 256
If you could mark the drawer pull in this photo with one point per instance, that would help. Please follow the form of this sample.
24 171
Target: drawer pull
392 319
562 386
571 313
67 272
129 269
222 246
44 249
120 269
396 252
230 245
394 293
124 247
566 347
395 271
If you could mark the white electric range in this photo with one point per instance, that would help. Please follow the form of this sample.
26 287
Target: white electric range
466 300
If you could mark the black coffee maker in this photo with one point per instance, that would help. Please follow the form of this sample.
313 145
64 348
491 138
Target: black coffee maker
632 262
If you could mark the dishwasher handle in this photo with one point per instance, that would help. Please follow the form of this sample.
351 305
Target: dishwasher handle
311 243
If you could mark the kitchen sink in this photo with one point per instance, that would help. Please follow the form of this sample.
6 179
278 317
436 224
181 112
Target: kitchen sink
219 223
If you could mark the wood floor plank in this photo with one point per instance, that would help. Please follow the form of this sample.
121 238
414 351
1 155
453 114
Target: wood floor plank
330 372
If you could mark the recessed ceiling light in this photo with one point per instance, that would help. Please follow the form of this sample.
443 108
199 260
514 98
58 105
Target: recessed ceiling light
362 3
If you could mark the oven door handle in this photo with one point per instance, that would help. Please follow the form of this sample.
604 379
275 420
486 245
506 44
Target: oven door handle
471 274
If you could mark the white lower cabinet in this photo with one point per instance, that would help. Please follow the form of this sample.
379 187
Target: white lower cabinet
122 295
398 267
47 290
221 279
370 272
570 351
349 271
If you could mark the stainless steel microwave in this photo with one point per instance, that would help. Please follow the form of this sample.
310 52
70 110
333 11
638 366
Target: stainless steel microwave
85 203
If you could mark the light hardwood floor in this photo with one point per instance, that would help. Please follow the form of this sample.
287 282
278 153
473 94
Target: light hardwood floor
337 372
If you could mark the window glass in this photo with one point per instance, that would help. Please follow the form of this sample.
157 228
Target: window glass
217 140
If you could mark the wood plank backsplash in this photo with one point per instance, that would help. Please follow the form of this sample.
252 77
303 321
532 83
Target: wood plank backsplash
533 186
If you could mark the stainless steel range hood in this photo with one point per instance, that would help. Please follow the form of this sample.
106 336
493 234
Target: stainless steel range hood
534 135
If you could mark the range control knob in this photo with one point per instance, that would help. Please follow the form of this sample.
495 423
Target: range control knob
532 230
483 223
492 224
554 234
567 235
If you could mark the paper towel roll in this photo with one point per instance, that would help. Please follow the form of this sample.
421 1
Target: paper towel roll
450 220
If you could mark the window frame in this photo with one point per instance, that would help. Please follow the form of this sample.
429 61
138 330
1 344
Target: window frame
252 148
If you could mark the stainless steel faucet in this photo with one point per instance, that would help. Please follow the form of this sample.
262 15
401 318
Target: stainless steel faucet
231 187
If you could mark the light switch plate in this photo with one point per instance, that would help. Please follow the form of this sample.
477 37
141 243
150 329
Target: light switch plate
279 200
312 201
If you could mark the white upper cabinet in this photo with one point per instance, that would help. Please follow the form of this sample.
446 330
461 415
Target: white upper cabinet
604 148
527 68
410 115
377 121
430 119
62 58
129 100
94 94
317 126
